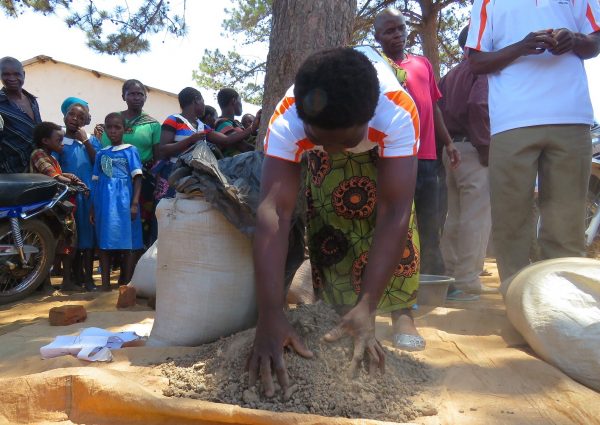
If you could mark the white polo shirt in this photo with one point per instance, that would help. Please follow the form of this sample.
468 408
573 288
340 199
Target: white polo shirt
394 128
536 89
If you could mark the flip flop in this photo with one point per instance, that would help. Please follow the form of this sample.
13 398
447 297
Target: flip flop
409 342
458 295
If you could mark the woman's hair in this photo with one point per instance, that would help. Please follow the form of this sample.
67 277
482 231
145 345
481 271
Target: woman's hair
187 96
336 88
43 131
130 83
116 115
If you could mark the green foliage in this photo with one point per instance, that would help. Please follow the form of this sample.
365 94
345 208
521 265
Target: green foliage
119 31
249 22
453 20
251 19
218 70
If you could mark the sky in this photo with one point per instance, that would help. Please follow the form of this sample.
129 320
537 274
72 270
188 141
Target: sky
167 66
170 62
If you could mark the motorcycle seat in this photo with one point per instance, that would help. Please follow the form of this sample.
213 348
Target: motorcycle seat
25 189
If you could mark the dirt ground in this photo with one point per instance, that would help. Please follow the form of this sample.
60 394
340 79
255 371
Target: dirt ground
488 374
321 385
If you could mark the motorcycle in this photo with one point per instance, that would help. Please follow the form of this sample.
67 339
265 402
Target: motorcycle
35 215
592 233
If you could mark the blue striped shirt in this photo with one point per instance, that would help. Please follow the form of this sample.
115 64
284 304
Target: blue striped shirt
16 139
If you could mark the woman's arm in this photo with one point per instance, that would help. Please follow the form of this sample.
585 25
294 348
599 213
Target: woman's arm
169 147
280 183
236 138
225 141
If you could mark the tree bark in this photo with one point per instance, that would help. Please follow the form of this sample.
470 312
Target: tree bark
300 28
428 32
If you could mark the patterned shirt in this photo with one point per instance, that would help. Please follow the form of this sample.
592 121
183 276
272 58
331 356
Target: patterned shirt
43 163
183 129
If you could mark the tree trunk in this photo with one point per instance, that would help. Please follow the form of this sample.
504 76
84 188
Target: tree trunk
300 28
428 32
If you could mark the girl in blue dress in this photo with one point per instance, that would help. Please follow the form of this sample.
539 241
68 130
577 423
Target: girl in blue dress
116 187
77 157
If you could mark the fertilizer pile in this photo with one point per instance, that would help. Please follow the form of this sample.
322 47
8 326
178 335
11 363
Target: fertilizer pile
216 372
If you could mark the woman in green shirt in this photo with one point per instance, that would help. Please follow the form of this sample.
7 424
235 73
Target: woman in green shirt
143 132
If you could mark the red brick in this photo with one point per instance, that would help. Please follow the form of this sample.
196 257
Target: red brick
67 315
126 297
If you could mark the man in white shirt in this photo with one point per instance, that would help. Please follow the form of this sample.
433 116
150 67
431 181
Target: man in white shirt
540 117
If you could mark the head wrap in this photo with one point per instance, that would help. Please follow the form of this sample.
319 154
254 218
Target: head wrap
71 101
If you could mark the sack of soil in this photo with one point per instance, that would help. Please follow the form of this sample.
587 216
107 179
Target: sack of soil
555 305
144 276
205 275
232 186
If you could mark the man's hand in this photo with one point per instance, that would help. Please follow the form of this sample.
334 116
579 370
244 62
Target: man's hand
565 41
484 154
273 333
453 155
537 42
359 323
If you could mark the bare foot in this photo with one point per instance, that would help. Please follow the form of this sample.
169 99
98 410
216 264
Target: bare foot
403 323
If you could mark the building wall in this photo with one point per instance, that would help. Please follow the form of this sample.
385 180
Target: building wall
53 82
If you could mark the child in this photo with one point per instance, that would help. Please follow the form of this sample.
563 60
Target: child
48 138
78 157
116 187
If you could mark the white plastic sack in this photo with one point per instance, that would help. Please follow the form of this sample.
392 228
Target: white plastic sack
205 275
144 276
555 305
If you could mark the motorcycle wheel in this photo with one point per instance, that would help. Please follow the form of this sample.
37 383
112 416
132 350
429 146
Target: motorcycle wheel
18 283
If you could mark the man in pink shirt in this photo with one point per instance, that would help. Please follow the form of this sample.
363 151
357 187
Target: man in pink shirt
390 33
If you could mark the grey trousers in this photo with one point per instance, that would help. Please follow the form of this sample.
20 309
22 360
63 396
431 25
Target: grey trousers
468 223
561 156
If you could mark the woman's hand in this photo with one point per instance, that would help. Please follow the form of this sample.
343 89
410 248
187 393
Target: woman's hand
359 323
273 334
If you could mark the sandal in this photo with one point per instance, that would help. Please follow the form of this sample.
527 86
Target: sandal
409 342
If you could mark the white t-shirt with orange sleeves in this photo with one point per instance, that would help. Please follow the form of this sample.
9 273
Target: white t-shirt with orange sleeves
536 89
394 128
